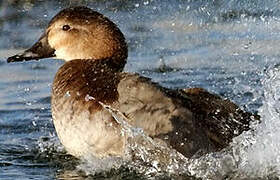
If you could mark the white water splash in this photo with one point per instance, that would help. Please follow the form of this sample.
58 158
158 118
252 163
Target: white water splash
254 154
146 155
263 157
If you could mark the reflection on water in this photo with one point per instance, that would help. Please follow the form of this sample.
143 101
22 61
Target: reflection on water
228 47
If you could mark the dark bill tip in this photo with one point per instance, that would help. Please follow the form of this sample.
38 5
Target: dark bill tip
13 59
21 57
39 50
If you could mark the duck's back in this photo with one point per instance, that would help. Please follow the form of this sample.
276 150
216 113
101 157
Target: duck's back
162 113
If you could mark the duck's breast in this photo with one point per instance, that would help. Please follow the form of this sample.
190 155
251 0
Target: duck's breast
82 125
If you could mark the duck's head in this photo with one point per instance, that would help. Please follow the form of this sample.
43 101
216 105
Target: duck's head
78 33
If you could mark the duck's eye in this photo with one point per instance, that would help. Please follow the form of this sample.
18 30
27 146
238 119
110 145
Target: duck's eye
65 27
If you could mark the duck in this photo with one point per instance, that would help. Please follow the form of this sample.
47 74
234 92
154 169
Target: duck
95 51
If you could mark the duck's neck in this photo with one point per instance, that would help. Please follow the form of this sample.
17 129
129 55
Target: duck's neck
80 78
115 63
112 65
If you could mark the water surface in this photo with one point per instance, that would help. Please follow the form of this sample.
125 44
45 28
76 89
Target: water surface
227 47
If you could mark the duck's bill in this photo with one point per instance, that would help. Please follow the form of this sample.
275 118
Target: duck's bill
39 50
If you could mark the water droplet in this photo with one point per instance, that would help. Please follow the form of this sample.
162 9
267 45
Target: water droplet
26 89
89 98
36 117
34 123
262 18
246 46
217 111
236 131
28 103
67 94
155 164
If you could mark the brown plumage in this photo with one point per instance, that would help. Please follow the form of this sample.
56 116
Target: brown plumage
192 121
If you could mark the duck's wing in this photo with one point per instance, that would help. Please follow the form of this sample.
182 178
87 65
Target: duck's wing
160 111
220 118
148 106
